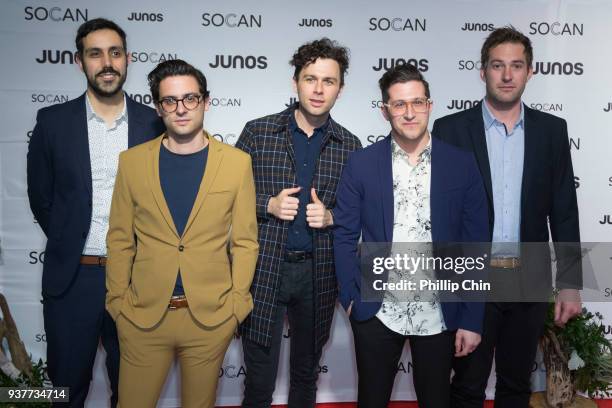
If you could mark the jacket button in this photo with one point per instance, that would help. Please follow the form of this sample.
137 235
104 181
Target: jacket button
181 248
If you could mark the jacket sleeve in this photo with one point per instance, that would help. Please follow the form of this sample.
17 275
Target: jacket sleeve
475 237
40 174
244 248
347 231
121 243
564 223
246 143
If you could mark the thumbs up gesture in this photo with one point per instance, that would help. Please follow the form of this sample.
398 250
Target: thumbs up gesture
283 206
317 216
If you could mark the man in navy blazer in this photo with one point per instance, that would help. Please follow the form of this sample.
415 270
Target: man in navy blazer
407 188
524 158
72 163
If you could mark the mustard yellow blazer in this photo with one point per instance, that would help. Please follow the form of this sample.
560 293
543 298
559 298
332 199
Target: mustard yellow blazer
145 251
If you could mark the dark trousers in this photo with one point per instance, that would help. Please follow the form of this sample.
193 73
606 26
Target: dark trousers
74 325
296 300
378 350
511 331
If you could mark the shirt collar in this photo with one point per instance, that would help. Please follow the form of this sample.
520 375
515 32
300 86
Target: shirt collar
293 126
490 120
91 114
424 156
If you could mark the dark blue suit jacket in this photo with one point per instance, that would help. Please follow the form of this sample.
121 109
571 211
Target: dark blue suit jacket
59 181
364 207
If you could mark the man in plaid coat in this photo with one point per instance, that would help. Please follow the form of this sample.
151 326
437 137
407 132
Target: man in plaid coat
297 157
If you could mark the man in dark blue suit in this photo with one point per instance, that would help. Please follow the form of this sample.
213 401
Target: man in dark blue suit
72 163
525 162
407 188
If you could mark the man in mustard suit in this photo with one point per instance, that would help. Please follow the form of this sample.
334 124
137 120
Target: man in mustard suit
180 201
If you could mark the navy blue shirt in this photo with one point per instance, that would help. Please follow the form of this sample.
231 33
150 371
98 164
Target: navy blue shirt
307 150
180 176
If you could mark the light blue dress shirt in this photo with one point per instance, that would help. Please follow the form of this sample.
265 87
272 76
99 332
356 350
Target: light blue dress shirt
506 151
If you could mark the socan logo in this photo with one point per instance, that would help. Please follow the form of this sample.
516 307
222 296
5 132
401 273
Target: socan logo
558 68
40 337
225 102
29 136
556 28
404 368
397 24
576 181
461 104
385 64
231 20
57 14
375 138
239 62
574 143
547 107
478 27
377 104
316 22
610 182
468 65
145 16
232 371
153 57
56 57
49 98
608 107
36 257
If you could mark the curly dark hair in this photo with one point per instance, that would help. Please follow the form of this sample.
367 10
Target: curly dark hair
323 48
175 67
507 34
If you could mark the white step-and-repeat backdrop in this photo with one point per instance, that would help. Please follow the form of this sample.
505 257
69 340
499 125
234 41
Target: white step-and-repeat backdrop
254 41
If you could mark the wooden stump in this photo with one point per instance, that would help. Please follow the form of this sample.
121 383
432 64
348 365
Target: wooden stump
560 392
19 355
538 400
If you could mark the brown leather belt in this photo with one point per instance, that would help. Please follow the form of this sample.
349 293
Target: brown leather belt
93 260
177 302
506 263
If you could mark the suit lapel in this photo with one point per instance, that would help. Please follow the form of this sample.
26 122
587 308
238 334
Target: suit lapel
215 157
479 143
154 183
385 175
134 124
81 141
530 157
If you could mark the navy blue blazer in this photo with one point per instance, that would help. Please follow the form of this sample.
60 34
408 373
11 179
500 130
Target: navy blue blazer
364 207
59 181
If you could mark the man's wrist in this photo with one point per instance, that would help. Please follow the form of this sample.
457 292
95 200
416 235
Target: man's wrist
330 217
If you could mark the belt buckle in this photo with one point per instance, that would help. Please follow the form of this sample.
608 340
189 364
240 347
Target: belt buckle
101 262
170 306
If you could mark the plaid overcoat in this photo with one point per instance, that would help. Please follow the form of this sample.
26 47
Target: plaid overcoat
268 140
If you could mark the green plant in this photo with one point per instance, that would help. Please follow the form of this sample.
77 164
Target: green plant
37 379
583 340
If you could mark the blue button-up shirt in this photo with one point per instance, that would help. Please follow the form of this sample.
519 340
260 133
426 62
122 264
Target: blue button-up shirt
506 151
307 150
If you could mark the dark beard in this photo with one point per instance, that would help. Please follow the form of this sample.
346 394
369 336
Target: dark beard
106 93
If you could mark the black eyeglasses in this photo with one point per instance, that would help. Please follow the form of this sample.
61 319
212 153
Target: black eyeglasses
170 104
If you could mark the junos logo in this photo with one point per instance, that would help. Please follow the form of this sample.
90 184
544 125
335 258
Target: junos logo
231 20
397 24
57 14
239 62
461 104
478 27
229 138
558 68
385 64
556 28
145 16
146 99
56 57
608 107
574 143
291 102
316 22
607 219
